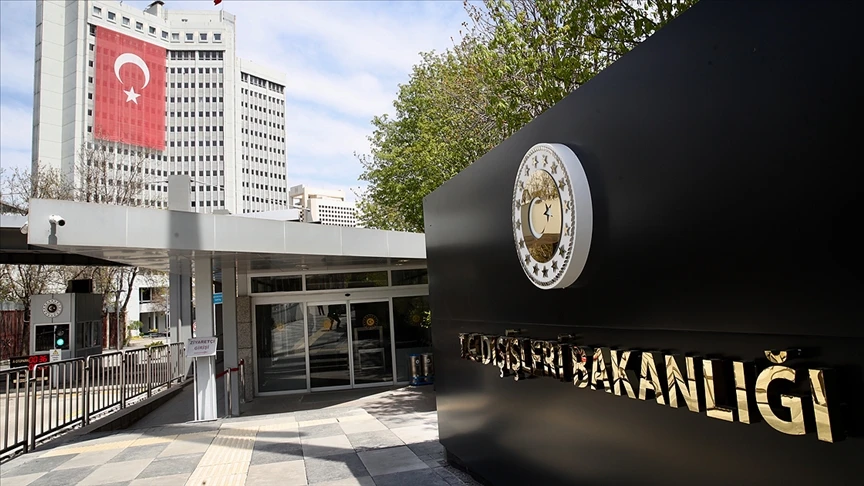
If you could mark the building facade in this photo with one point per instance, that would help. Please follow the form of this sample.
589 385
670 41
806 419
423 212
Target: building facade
323 206
164 93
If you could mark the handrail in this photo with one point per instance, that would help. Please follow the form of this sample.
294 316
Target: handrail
53 397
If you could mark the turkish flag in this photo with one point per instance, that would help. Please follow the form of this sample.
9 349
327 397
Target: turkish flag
130 90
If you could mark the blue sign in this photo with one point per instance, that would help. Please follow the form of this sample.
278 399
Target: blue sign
217 298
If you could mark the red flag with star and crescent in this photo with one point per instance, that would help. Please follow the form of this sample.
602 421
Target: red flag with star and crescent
130 90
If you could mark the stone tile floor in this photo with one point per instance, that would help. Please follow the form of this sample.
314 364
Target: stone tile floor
373 441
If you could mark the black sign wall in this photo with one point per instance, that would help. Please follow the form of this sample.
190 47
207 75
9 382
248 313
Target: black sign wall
727 192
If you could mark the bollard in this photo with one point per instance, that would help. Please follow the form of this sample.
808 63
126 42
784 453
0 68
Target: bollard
414 369
427 369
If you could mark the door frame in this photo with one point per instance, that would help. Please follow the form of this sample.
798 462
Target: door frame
350 384
379 294
389 300
257 389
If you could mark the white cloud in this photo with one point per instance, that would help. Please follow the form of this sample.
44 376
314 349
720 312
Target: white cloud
344 61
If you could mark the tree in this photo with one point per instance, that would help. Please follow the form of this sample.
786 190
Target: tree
517 59
102 174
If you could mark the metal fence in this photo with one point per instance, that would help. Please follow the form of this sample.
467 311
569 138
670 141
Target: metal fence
54 397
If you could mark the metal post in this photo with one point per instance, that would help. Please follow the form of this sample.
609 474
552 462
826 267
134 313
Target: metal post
147 376
228 393
86 392
168 376
242 381
26 409
117 315
123 381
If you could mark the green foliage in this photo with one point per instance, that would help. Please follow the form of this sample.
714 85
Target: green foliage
519 58
135 325
154 344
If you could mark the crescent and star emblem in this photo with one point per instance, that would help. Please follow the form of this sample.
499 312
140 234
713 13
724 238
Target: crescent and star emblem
129 58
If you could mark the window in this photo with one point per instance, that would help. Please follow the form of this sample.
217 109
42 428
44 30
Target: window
139 25
357 280
90 63
97 11
126 21
152 30
112 16
175 36
217 37
190 37
202 37
165 34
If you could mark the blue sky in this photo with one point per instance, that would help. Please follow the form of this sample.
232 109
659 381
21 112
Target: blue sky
344 61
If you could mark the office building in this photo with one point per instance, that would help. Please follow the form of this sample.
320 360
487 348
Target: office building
324 206
162 92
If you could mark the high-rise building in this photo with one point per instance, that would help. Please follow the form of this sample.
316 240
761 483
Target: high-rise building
163 86
323 206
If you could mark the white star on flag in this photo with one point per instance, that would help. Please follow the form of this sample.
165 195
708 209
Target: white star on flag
131 95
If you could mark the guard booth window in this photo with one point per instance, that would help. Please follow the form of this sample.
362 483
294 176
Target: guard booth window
50 336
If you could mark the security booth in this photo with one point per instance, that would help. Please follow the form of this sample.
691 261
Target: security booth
70 323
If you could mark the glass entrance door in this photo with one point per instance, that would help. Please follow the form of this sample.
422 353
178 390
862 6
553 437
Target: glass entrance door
281 347
329 344
370 342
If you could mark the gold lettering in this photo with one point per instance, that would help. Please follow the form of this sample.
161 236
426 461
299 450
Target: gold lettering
579 358
678 385
744 372
795 424
485 349
713 410
822 408
598 371
620 379
463 345
649 380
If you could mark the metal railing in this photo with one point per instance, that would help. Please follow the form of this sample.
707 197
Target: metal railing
241 369
54 397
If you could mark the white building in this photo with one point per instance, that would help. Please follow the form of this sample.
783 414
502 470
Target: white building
324 206
224 117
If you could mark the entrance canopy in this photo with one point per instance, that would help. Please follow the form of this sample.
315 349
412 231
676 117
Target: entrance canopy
151 238
15 250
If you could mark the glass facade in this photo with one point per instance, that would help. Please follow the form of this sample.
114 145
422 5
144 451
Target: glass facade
356 339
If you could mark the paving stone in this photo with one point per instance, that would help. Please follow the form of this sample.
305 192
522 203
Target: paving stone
273 435
39 465
425 477
429 447
388 461
171 465
194 443
323 430
115 472
325 446
62 478
84 459
140 452
355 427
374 440
25 480
416 434
269 452
287 473
364 481
174 480
334 467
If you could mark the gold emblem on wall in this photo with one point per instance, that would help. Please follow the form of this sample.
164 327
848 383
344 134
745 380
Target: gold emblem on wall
552 216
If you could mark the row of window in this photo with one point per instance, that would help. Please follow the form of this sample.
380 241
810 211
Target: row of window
139 26
191 114
263 83
262 96
201 143
263 160
208 204
336 281
187 70
263 200
261 173
263 122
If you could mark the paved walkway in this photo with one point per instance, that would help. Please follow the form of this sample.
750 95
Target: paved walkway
388 438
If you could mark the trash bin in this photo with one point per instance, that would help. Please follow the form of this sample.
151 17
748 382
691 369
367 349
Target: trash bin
427 369
415 369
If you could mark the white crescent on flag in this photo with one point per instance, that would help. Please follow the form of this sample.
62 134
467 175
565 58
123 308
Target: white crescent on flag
129 58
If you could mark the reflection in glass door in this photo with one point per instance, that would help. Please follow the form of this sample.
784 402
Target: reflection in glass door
370 338
329 357
281 347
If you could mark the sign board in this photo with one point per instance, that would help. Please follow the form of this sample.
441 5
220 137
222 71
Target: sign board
201 347
28 361
55 355
217 298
